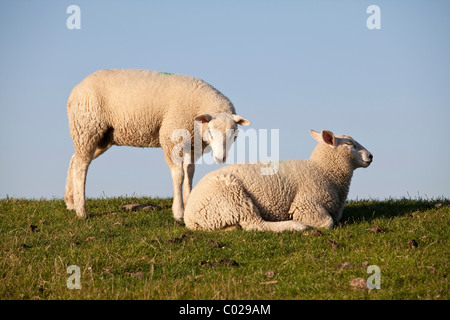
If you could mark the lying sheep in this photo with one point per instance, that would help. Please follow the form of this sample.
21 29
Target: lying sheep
303 193
144 109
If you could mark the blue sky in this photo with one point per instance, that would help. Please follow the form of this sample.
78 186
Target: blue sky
287 65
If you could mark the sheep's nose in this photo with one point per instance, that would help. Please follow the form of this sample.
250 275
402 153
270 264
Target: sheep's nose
371 156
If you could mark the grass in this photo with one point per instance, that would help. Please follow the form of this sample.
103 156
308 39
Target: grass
146 255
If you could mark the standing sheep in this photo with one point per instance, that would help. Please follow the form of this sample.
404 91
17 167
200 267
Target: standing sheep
143 108
303 193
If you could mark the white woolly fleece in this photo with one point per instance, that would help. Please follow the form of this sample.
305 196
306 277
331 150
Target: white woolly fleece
138 108
302 193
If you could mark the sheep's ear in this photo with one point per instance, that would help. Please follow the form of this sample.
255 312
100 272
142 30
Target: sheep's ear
204 118
240 120
316 135
328 138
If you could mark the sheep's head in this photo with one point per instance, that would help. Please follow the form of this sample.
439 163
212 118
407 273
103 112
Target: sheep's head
221 132
359 155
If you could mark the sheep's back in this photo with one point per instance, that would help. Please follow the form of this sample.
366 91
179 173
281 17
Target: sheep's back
135 103
271 194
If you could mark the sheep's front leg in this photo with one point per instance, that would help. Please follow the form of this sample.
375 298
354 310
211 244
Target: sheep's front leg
189 170
275 226
177 179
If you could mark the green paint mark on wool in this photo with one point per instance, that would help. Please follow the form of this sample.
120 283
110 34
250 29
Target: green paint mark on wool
166 73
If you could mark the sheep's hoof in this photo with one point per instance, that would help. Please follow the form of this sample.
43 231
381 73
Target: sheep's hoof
178 219
178 214
298 226
70 206
83 215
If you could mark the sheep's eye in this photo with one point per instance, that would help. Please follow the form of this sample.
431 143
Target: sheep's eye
349 143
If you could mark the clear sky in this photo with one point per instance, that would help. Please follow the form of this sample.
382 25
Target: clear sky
287 65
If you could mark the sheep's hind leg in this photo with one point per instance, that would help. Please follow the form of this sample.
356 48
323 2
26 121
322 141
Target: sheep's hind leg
73 177
316 217
68 195
224 203
105 143
250 217
79 182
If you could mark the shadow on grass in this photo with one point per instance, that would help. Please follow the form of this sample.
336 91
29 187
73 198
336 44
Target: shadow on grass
367 210
126 205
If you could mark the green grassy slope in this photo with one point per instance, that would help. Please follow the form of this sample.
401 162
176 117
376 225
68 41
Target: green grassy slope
146 255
